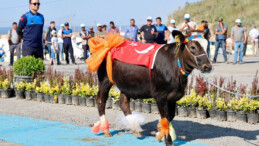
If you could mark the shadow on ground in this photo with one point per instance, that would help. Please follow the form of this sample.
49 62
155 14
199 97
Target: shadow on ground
188 131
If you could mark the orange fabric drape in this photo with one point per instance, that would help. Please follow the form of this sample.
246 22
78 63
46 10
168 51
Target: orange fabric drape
100 48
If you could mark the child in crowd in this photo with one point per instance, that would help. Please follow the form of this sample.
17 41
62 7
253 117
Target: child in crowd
54 47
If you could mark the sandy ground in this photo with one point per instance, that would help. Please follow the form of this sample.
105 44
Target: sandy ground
188 129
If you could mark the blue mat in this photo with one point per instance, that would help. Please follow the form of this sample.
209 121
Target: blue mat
34 132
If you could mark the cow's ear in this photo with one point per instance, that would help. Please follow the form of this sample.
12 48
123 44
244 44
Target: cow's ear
178 36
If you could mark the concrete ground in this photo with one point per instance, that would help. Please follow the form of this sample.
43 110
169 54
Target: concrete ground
188 129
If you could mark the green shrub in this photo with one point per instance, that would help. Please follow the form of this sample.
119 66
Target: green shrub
26 66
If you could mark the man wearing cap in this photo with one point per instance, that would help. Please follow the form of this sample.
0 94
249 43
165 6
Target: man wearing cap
85 35
100 33
150 32
48 37
132 31
92 32
221 36
163 32
113 29
254 36
67 43
171 29
188 27
30 29
60 41
238 36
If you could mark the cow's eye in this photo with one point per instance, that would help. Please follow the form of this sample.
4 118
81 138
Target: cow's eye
193 48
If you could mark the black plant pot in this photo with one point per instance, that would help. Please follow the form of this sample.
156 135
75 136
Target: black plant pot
82 101
6 93
75 100
253 118
115 105
0 93
241 117
109 103
68 99
138 106
132 106
90 102
28 95
222 115
61 99
176 111
192 112
231 116
20 94
53 99
34 96
182 112
46 98
146 107
40 97
213 114
154 109
201 114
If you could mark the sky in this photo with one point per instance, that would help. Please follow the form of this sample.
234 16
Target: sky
91 12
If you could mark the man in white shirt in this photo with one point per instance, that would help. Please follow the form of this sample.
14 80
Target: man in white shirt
188 28
60 41
254 35
171 29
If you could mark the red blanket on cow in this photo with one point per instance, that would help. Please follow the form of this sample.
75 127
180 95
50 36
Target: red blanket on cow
136 53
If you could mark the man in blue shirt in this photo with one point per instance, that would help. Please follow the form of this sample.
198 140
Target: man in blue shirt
132 31
30 29
67 44
163 32
221 36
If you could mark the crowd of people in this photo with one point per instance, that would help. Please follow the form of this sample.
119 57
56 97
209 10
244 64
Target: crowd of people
28 34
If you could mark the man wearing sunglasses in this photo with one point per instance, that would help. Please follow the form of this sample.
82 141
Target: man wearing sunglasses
30 29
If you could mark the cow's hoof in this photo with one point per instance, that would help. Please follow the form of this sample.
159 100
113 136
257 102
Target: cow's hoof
108 134
137 134
169 144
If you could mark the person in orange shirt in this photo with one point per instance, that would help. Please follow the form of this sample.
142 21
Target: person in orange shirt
200 28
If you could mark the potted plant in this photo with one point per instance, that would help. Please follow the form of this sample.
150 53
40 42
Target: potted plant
154 108
54 91
82 95
1 88
25 67
232 107
138 105
109 101
115 98
75 95
202 106
40 95
66 90
6 92
242 109
253 116
20 90
46 91
146 105
182 107
192 103
90 93
30 87
221 109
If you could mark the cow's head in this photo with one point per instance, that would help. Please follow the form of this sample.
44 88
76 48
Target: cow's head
193 52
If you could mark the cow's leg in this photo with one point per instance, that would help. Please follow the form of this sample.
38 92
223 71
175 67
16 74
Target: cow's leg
163 125
102 96
134 123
